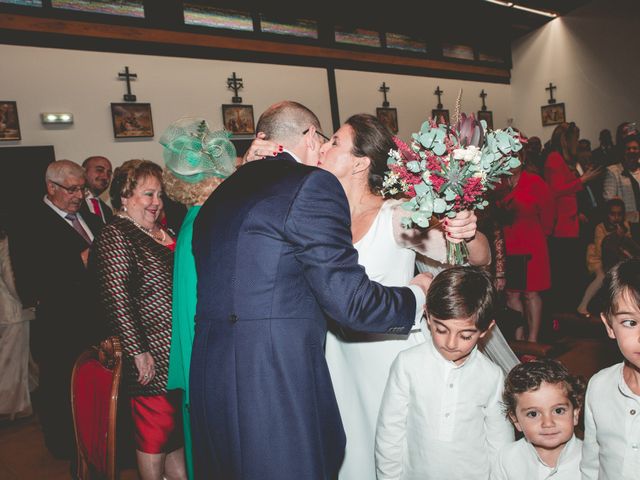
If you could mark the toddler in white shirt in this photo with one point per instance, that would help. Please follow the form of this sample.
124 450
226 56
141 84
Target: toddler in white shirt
441 415
543 401
611 449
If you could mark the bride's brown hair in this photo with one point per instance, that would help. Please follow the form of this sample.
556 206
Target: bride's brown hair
373 140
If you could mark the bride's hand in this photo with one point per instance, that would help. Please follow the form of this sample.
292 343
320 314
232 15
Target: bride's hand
261 148
462 227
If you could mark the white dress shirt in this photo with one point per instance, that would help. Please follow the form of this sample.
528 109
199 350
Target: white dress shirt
439 420
64 214
520 461
611 449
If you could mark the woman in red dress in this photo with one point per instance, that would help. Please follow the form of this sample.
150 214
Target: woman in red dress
567 258
134 266
531 208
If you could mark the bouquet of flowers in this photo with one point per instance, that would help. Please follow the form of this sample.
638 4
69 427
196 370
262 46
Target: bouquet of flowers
447 169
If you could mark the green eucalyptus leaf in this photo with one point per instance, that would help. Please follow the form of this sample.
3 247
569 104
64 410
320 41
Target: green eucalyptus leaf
413 166
420 219
439 149
421 189
439 205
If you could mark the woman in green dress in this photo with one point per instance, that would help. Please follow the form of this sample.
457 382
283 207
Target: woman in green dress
197 161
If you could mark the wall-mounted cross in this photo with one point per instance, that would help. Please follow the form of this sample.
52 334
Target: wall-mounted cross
126 76
483 95
235 83
384 89
551 88
439 93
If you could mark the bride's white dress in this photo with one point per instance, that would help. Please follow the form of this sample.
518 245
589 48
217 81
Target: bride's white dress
359 363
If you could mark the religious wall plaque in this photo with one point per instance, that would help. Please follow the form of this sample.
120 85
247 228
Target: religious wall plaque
553 114
9 124
131 120
487 116
389 118
440 115
238 119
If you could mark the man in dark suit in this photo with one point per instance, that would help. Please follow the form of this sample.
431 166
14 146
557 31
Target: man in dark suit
97 172
275 258
51 256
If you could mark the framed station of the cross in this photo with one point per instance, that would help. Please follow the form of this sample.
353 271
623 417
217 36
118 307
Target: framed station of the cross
131 120
238 119
553 114
389 118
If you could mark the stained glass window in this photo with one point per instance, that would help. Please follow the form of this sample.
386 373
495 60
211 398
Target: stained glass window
27 3
405 42
463 52
489 56
207 16
358 36
129 8
297 28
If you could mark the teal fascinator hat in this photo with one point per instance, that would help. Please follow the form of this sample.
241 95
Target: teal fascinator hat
192 152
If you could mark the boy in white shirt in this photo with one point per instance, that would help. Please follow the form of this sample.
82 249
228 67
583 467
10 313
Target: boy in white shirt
441 415
611 449
543 401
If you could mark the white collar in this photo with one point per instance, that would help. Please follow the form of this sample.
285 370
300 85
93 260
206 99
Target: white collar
449 364
59 211
567 451
295 157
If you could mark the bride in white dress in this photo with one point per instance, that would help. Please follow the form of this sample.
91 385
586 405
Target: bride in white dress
359 363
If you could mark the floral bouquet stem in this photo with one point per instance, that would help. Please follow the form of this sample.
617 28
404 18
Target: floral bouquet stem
457 253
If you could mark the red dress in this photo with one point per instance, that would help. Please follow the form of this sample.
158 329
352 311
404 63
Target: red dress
532 207
564 185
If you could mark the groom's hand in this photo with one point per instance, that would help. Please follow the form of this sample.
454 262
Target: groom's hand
462 227
422 280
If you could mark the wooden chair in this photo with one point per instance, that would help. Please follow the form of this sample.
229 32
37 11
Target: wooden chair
94 399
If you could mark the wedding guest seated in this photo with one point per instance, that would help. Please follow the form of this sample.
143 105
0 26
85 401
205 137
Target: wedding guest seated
452 425
134 269
621 181
543 400
612 405
614 224
97 172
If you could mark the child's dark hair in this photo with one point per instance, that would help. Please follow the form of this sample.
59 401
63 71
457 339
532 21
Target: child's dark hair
462 292
614 202
525 377
623 278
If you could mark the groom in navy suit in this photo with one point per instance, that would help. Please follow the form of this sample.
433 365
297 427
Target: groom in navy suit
275 258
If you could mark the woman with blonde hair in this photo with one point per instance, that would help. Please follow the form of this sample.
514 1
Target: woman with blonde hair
197 161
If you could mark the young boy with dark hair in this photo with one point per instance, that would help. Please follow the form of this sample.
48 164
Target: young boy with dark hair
543 401
441 415
611 449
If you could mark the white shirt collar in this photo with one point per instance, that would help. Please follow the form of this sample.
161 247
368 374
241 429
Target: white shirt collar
567 451
295 157
60 212
449 364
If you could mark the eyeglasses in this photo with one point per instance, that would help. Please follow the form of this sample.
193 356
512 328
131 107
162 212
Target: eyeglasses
324 137
72 190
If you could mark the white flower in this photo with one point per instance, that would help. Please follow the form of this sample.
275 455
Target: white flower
458 154
395 154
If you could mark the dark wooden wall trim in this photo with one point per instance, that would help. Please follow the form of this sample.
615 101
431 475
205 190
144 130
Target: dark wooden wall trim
14 27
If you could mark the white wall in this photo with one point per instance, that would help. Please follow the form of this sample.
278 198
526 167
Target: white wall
85 84
414 98
592 56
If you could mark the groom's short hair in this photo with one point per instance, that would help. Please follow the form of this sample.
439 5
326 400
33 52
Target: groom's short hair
285 121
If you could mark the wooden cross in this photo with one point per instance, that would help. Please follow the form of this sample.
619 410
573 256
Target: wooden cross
483 95
384 89
551 88
126 76
439 93
235 83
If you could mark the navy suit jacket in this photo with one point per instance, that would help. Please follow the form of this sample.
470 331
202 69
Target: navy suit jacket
274 257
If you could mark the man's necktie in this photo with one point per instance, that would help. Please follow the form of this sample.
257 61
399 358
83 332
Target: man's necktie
96 207
77 226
